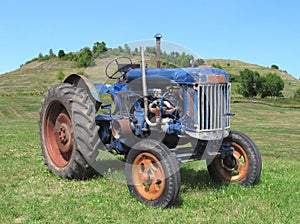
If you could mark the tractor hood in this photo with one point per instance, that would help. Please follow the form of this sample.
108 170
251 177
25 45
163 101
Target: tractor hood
181 75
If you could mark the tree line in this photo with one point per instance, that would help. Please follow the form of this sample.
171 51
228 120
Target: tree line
84 58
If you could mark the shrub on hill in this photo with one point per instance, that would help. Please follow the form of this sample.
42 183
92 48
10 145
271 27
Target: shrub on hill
272 85
252 84
61 53
98 49
51 53
85 57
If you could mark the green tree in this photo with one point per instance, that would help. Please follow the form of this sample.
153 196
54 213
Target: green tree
175 59
272 85
136 51
85 57
70 56
61 53
51 53
120 49
274 67
99 48
199 61
251 83
127 49
150 50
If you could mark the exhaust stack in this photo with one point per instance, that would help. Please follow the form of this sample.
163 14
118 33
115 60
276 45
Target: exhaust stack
158 36
145 92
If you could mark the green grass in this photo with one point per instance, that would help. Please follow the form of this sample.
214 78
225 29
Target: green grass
31 194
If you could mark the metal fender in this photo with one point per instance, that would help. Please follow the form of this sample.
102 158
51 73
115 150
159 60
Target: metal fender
83 83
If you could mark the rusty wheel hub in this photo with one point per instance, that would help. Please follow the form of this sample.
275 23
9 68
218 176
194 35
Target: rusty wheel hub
234 168
230 163
63 133
148 176
59 135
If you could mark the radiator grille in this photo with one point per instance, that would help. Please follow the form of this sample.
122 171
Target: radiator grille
212 106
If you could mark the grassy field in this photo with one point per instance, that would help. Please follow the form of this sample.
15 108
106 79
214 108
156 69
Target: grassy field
30 194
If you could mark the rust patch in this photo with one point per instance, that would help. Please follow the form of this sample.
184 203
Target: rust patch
216 78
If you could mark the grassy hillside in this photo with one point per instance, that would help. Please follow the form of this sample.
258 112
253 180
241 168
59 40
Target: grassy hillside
34 78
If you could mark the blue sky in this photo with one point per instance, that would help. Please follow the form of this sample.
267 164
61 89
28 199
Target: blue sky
262 32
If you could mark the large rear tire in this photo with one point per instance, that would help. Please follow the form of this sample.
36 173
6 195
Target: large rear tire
152 174
243 167
68 132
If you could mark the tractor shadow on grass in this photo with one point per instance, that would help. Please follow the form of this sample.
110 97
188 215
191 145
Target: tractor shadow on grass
198 180
110 168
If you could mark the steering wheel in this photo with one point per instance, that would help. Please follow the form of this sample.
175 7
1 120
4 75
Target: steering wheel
119 67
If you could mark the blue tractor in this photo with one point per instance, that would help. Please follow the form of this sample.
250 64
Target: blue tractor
159 118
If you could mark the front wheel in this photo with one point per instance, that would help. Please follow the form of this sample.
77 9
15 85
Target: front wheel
243 167
152 174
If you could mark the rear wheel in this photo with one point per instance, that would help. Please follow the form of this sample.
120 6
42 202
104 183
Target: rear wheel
243 167
68 132
152 174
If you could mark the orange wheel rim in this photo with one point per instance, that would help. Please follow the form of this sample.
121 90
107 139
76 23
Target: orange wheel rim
234 168
148 176
59 135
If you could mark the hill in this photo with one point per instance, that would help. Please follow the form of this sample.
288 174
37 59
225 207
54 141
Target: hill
34 78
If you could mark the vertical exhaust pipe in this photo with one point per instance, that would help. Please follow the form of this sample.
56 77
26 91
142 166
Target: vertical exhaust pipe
144 83
145 90
158 36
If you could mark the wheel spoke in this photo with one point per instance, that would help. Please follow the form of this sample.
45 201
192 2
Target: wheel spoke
152 188
158 174
237 154
241 168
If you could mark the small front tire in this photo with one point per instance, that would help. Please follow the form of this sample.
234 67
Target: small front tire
243 167
152 174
